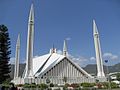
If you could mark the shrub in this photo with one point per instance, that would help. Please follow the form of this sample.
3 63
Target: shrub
67 85
26 85
57 89
43 86
5 85
105 84
51 85
64 88
33 85
20 85
7 81
99 85
74 85
87 84
114 85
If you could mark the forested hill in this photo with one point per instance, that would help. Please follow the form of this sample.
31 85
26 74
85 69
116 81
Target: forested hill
90 68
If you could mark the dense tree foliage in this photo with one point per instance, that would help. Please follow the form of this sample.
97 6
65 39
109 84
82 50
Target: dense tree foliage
118 76
4 54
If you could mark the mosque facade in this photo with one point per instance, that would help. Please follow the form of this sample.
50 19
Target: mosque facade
53 67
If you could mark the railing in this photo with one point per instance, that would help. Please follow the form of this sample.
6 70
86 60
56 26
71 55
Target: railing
58 80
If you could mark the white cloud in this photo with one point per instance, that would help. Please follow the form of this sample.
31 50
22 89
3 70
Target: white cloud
107 54
36 56
80 60
110 56
68 38
12 60
115 57
92 58
59 51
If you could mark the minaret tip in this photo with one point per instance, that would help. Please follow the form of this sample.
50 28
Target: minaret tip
93 20
31 15
32 4
65 52
18 40
95 30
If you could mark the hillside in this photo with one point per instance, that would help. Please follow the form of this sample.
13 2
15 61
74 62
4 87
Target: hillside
21 69
90 68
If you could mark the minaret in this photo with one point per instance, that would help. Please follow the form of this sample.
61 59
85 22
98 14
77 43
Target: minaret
100 71
17 55
30 38
65 52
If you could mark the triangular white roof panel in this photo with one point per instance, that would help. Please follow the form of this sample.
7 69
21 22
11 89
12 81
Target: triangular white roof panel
53 60
38 62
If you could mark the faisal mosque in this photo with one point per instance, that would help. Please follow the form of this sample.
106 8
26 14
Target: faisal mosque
54 67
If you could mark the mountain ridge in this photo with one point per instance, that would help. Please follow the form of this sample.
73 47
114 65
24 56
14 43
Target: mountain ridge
90 68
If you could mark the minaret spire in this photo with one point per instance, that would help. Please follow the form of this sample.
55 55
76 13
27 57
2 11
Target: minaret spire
31 15
30 39
100 71
53 49
95 30
17 55
65 52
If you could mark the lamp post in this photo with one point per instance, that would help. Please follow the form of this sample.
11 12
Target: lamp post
48 82
108 77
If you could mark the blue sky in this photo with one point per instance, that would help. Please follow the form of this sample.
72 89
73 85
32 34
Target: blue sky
56 20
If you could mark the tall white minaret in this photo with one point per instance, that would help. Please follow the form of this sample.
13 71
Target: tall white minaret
65 52
30 38
100 71
17 55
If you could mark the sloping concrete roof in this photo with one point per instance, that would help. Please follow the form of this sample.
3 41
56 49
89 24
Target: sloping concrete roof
43 63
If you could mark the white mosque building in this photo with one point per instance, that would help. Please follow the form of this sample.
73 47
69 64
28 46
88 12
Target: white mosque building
54 66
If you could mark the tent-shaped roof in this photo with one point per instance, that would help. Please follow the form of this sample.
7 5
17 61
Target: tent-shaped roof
40 64
44 63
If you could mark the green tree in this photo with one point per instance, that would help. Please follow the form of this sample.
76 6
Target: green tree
4 54
118 76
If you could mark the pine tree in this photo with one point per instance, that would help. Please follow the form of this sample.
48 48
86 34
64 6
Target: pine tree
4 54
